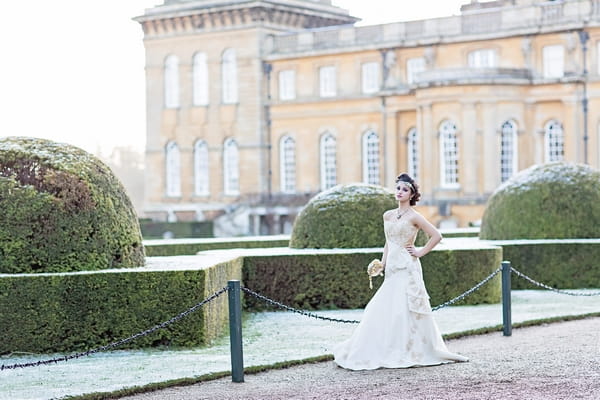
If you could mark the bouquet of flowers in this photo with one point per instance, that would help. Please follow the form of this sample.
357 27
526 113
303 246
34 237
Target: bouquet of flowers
375 268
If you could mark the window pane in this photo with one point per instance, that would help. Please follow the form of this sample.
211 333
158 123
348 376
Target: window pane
328 162
554 142
449 154
554 61
327 83
485 58
413 154
371 158
287 160
171 76
508 150
370 77
231 171
201 168
413 67
287 85
200 80
229 76
172 170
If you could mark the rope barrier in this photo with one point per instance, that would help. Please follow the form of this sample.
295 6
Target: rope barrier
543 285
119 342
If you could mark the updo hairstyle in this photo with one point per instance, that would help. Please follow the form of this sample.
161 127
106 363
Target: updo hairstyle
414 188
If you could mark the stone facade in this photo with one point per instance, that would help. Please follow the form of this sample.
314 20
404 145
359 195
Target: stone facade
449 93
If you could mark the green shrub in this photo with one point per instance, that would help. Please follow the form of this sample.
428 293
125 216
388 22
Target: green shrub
345 216
323 281
561 265
81 311
62 210
550 201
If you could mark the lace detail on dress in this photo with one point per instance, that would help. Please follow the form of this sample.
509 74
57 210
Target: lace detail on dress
400 233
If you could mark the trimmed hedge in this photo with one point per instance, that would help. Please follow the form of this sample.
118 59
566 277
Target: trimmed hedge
345 216
181 229
190 246
562 265
340 280
550 201
62 210
45 313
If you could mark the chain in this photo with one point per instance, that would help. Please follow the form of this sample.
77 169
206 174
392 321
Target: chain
468 292
522 275
119 342
288 308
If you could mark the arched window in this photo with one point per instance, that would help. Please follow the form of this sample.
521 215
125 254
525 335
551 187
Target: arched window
171 82
554 142
449 155
229 77
328 161
287 164
412 149
201 187
172 170
200 80
231 167
370 153
508 150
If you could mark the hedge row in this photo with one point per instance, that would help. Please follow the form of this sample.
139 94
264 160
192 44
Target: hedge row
566 264
169 248
182 229
78 311
324 281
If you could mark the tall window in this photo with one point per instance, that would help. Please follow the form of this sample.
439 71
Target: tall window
449 155
370 150
370 77
554 61
201 187
171 82
554 142
484 58
508 150
413 153
287 84
287 164
231 167
328 161
172 170
327 81
200 80
229 77
413 67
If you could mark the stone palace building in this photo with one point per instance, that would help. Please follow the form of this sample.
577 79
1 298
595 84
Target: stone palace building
254 106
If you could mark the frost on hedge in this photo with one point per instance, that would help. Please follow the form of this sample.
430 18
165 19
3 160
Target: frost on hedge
63 210
345 216
549 201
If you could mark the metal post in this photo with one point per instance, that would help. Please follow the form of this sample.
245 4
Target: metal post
583 38
235 331
506 318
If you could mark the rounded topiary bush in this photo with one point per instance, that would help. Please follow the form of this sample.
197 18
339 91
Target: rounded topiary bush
550 201
345 216
62 210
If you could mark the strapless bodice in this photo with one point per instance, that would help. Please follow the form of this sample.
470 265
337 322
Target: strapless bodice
400 231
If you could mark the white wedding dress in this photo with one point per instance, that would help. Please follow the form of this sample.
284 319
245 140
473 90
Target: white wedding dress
397 329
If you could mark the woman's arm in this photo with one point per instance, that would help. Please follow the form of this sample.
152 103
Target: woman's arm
434 237
385 253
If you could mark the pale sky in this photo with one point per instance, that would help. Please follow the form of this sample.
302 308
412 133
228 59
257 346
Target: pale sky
73 70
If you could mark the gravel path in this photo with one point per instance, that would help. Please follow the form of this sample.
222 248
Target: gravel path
553 361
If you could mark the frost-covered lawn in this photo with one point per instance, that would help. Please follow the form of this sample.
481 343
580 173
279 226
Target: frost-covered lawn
268 337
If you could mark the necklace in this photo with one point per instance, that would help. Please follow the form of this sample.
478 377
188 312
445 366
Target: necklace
401 214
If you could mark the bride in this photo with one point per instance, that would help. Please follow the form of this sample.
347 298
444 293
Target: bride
397 329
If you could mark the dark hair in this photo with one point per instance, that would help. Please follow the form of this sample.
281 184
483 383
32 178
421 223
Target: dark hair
416 195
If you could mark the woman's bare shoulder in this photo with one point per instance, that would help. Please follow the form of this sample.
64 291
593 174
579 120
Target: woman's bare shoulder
388 214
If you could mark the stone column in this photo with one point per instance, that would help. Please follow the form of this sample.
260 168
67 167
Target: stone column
428 150
489 172
467 149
